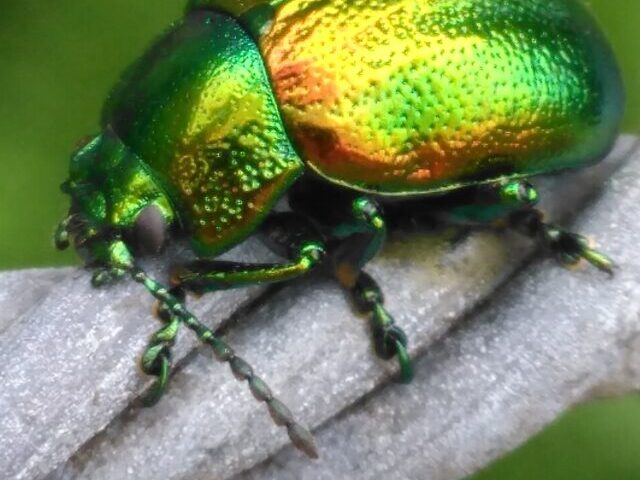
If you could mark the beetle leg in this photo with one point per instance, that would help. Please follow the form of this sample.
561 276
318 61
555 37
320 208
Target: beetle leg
366 227
210 275
156 360
354 241
567 247
484 204
363 238
107 276
514 200
356 235
388 338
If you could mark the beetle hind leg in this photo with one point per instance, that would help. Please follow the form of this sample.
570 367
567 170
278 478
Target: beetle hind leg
569 248
515 201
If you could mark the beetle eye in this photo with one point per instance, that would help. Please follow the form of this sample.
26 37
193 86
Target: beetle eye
528 194
150 230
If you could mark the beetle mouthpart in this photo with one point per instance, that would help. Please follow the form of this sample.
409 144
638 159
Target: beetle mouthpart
62 236
73 228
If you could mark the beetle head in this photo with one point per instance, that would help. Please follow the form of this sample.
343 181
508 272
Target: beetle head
116 204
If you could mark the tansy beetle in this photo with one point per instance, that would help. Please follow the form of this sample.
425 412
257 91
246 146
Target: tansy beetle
348 109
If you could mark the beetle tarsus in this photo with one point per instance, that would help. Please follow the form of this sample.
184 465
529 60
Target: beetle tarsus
156 360
389 339
107 276
600 260
569 248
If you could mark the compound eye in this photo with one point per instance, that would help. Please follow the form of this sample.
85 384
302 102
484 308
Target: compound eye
150 230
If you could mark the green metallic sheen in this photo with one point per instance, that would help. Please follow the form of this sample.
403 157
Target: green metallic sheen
111 185
235 8
254 15
399 97
199 109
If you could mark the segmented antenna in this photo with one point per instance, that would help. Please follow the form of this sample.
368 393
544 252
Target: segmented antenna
156 361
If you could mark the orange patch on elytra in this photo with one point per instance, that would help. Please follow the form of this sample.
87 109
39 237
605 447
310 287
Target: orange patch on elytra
419 175
336 158
303 83
453 157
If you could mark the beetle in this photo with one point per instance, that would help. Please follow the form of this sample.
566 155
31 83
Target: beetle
355 111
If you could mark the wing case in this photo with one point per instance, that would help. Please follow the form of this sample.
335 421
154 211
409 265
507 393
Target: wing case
416 96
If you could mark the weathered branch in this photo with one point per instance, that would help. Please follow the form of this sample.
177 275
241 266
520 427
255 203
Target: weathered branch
547 340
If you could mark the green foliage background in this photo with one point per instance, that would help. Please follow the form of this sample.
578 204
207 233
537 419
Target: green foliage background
57 63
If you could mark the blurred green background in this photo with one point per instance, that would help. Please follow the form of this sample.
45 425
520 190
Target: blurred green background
57 63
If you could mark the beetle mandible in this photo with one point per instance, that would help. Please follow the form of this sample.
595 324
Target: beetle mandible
346 108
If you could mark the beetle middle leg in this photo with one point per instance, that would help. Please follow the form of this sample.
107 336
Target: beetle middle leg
356 230
363 235
352 243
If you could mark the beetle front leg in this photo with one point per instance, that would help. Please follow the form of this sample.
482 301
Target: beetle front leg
156 360
210 275
569 248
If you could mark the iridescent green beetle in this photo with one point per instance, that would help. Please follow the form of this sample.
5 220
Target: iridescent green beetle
346 107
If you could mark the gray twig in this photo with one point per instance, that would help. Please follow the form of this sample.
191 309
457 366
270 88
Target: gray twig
548 339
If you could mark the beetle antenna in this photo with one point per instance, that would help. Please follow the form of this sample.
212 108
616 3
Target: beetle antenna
156 360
